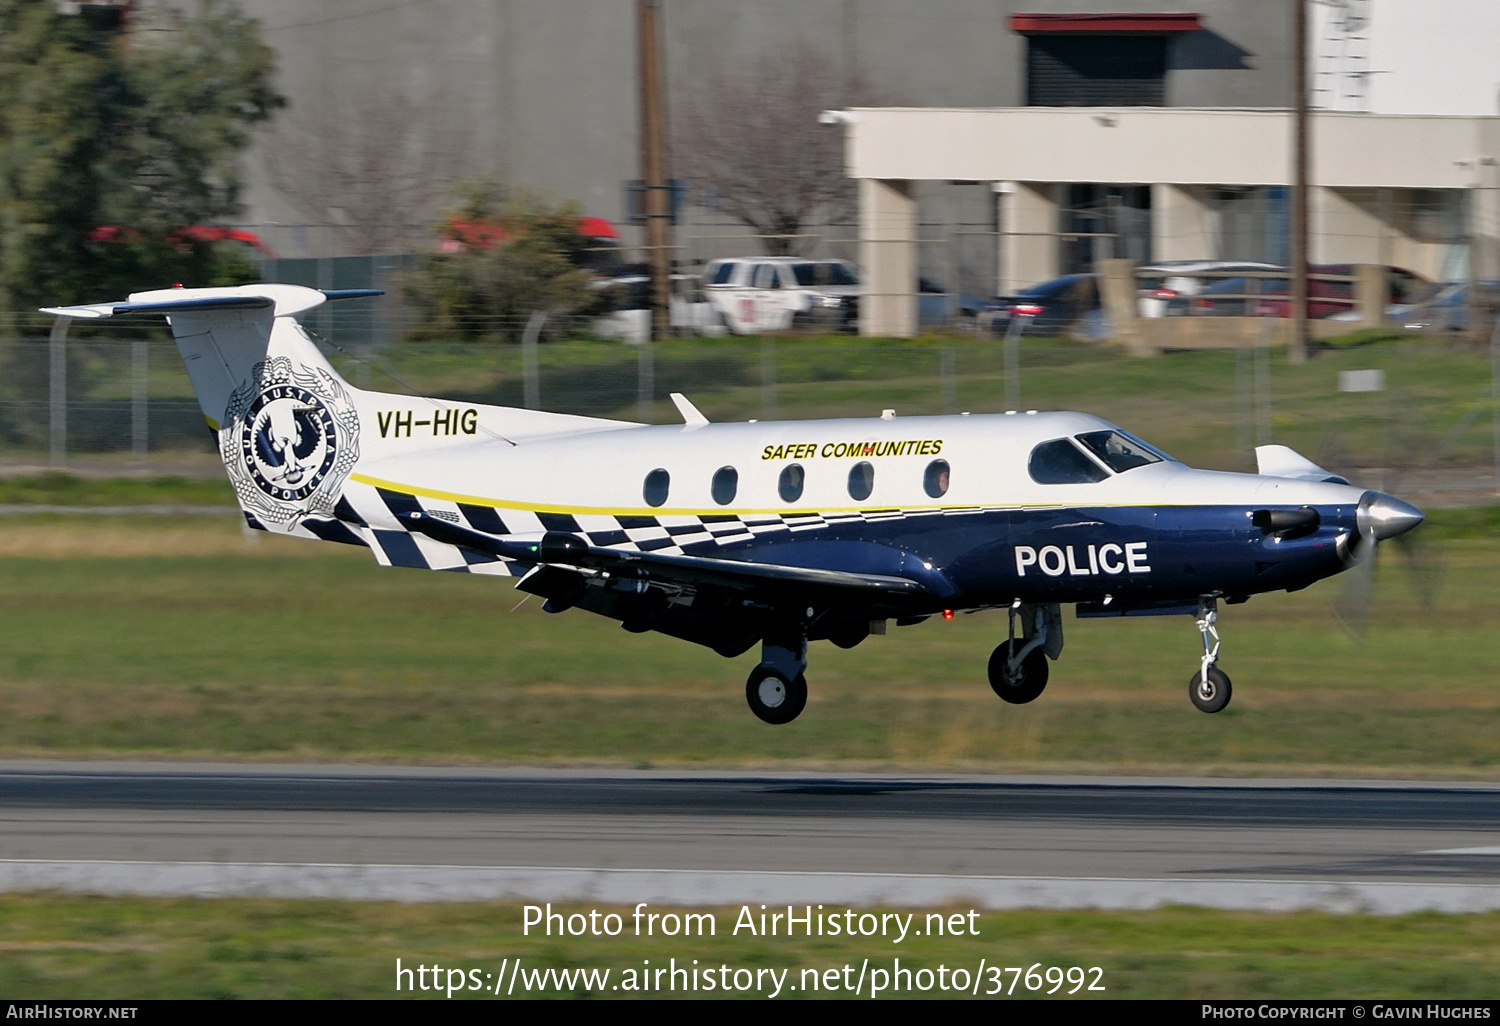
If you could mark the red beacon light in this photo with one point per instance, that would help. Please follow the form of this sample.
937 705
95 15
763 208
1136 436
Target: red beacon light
947 614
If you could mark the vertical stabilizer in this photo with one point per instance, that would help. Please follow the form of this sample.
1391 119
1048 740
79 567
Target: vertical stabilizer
287 424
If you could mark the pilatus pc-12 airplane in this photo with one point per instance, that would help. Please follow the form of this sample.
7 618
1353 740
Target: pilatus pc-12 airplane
777 533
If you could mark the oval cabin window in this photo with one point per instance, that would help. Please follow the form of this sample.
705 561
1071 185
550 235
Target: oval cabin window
790 485
935 480
658 482
861 481
726 482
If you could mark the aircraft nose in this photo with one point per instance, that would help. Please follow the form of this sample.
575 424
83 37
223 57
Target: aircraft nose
1386 516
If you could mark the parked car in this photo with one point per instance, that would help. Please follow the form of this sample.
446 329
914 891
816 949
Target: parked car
937 306
1226 297
759 294
1159 284
1267 297
1445 306
627 302
1059 305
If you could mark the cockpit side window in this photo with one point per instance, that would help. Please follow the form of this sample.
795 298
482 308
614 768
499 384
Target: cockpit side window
1119 452
1061 462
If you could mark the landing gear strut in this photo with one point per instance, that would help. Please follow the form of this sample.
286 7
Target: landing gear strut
776 689
1018 667
1209 689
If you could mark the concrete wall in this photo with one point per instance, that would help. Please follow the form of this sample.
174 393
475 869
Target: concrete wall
545 90
1155 144
1379 226
1184 226
887 252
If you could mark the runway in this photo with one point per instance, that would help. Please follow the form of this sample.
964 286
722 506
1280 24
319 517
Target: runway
461 834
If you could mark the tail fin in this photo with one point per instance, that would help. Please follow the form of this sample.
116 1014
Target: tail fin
287 424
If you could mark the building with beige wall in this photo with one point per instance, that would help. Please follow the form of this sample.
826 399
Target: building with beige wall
1405 190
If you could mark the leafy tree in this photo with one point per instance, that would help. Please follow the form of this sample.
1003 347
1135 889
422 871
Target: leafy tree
138 134
504 257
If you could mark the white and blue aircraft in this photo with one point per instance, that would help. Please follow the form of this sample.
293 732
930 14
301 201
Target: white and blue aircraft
776 533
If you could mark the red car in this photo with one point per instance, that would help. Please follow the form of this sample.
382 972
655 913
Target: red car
1327 298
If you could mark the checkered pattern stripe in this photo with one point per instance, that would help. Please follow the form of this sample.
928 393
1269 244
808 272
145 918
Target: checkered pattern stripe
366 515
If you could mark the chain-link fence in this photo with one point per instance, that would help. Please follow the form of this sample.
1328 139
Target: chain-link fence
118 394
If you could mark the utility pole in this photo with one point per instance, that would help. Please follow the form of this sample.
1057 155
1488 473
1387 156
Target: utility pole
1297 351
656 189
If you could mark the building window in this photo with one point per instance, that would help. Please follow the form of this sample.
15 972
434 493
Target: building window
1099 60
1096 71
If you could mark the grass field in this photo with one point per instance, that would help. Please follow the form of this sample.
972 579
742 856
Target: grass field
157 636
62 947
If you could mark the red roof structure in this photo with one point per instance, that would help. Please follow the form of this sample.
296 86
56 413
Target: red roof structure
1104 24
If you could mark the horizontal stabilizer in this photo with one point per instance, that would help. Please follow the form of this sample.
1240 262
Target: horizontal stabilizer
288 301
1282 461
99 310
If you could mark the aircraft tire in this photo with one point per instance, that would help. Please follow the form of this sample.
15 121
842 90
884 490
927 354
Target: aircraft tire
1214 696
772 697
1027 684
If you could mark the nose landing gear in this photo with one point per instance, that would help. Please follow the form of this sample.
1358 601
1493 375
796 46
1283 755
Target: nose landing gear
1209 689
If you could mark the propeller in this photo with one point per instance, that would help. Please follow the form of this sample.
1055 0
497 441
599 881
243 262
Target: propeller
1379 517
1424 561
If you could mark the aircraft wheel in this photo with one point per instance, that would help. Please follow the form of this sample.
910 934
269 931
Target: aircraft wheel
772 697
1212 696
1028 680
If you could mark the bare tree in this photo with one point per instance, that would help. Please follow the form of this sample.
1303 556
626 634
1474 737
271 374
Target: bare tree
372 161
751 137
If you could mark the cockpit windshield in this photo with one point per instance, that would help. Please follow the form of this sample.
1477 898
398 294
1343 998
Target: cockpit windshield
1119 451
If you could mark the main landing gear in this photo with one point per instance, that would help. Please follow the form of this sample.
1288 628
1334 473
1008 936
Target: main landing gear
1209 689
1018 666
777 689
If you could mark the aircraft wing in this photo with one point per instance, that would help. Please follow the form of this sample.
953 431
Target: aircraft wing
558 548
